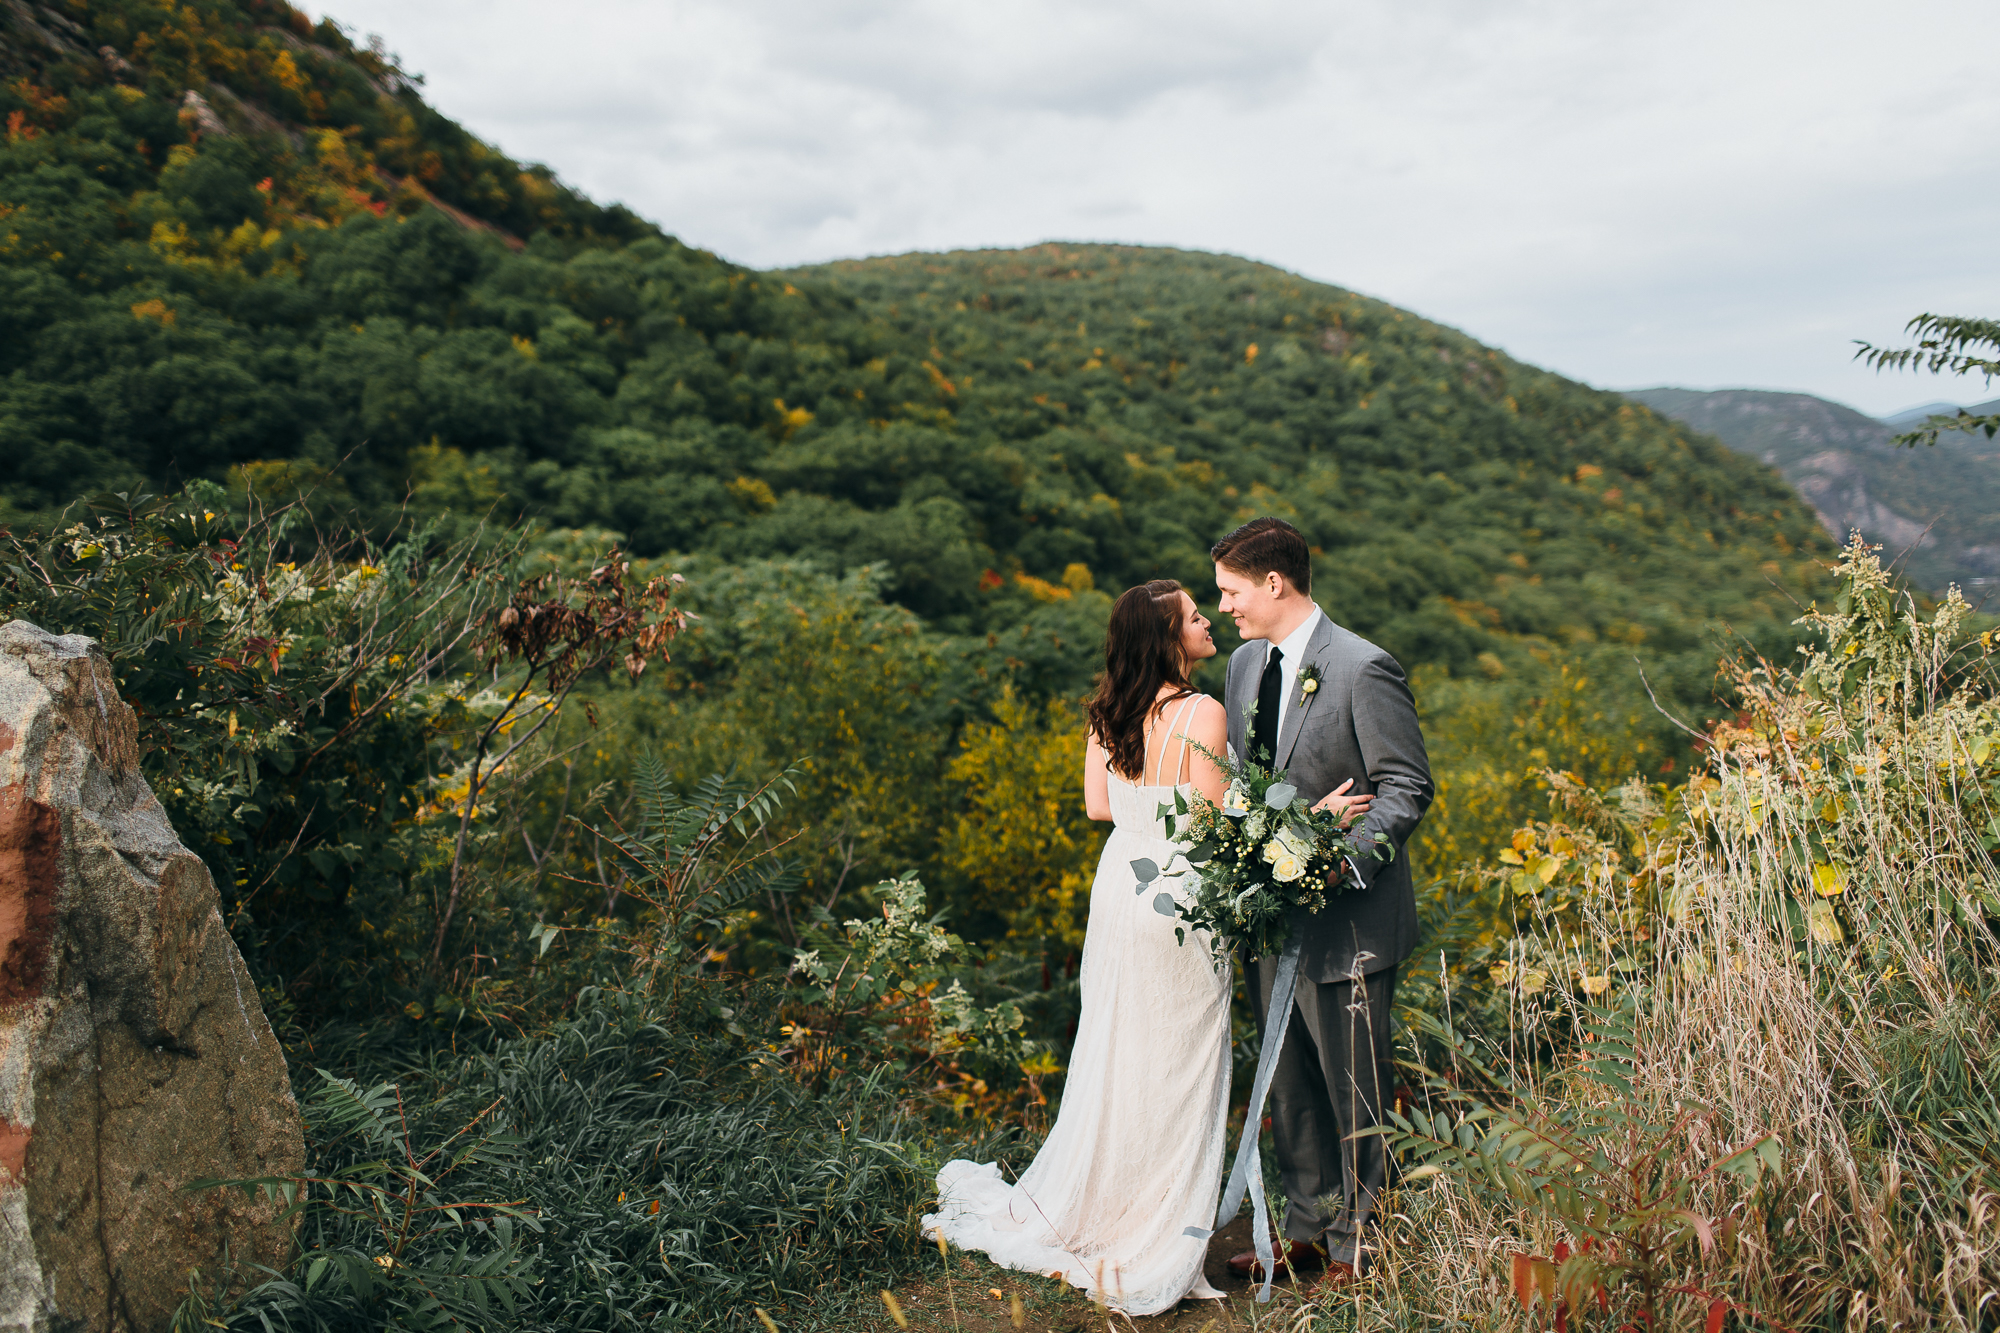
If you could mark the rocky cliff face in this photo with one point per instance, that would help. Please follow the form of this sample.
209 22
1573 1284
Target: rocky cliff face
133 1054
1935 510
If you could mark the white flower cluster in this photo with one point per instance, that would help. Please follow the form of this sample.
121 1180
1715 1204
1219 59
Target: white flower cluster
1287 855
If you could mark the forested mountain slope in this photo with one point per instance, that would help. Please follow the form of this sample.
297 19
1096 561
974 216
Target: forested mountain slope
237 246
1935 509
1135 401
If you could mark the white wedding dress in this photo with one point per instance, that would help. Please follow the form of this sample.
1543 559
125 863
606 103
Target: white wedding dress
1136 1154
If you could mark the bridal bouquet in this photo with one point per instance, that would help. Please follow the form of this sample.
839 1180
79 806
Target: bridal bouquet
1252 859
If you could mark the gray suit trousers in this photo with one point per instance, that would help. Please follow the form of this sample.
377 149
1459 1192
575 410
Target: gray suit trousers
1331 1080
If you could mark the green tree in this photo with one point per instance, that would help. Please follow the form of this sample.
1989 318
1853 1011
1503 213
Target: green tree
1950 345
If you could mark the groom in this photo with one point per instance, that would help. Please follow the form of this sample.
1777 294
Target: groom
1358 723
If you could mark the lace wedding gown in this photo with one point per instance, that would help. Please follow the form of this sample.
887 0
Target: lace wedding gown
1136 1154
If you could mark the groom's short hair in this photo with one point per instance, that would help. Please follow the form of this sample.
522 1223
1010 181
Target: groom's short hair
1263 546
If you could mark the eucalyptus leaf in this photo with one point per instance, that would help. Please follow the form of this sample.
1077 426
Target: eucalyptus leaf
1146 870
1279 795
1164 904
1201 854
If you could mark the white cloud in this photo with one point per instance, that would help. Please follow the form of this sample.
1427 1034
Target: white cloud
1717 192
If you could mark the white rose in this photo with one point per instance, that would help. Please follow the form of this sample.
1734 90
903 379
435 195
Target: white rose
1288 843
1287 854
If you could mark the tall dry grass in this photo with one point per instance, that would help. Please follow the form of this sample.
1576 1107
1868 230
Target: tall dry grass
1802 943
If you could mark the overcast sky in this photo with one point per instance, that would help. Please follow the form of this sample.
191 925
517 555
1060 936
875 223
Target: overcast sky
1710 193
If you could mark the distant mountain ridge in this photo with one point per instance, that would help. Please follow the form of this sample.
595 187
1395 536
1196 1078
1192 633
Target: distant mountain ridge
1937 509
1911 416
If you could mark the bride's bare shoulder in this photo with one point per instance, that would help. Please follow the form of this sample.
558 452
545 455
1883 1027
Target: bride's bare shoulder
1208 711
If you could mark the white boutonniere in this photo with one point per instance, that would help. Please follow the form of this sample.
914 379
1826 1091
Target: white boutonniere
1309 679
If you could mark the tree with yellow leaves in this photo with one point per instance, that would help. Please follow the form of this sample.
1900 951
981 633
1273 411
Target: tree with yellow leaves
1023 846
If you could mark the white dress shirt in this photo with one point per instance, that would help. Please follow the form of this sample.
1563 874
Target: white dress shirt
1294 650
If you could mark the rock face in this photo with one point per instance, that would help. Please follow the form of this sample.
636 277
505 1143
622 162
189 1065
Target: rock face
1935 510
133 1054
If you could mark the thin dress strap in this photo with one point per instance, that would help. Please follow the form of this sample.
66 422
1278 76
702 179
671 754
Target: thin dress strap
1180 729
1146 765
1150 774
1154 768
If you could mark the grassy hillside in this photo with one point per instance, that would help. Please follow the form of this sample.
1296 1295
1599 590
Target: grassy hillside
1938 509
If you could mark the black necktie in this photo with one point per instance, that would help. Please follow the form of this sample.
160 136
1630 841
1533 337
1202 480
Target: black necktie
1264 731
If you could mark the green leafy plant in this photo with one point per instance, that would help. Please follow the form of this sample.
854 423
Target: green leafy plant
294 709
555 631
413 1251
892 990
695 858
1950 345
635 1166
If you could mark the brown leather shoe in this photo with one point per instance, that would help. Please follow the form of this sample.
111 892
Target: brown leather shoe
1289 1256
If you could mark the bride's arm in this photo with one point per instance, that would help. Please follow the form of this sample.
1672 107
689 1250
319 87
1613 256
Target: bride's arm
1209 728
1096 793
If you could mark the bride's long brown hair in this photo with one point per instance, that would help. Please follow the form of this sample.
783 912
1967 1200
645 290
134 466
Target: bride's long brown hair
1142 652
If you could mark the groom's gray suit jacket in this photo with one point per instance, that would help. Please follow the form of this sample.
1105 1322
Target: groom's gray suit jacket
1362 724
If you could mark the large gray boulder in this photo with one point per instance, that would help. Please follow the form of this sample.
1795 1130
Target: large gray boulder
133 1054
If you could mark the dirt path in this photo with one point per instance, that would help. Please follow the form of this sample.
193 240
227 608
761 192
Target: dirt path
982 1297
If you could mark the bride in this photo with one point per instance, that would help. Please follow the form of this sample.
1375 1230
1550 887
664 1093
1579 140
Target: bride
1135 1157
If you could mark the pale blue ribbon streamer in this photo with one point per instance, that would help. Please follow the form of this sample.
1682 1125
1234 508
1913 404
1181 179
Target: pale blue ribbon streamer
1248 1173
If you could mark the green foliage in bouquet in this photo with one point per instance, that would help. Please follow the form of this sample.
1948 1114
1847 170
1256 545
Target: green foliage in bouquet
1253 859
